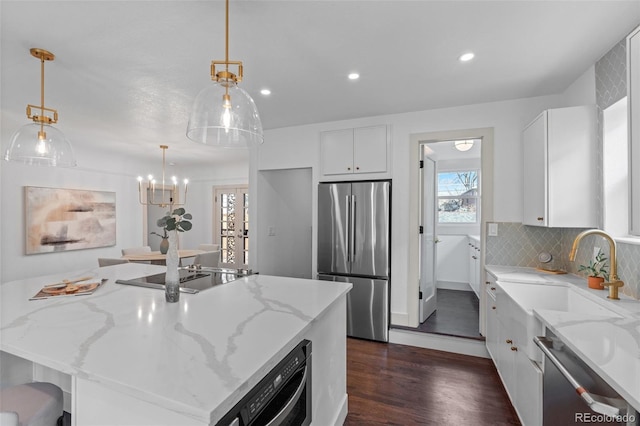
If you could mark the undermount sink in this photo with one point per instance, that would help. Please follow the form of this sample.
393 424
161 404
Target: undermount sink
522 298
555 297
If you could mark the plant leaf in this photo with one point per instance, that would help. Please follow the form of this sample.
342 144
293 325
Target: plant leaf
187 216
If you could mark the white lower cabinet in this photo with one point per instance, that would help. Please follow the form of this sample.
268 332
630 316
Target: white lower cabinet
521 377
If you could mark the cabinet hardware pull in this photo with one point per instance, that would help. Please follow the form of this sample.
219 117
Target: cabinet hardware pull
493 307
540 218
493 288
487 282
509 341
357 167
513 348
348 168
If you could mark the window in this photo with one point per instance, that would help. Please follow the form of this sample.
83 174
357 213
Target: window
458 196
615 170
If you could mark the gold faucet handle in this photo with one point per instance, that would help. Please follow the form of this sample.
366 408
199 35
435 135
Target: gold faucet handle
613 288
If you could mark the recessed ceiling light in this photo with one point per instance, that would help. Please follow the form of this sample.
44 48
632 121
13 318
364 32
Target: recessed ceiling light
465 57
265 92
354 76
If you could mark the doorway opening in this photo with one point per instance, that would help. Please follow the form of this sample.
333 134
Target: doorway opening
415 222
451 216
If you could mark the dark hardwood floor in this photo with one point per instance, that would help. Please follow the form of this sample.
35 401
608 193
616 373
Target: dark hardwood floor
391 384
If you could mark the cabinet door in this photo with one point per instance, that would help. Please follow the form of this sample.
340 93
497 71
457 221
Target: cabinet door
505 362
529 390
370 149
336 152
491 328
535 172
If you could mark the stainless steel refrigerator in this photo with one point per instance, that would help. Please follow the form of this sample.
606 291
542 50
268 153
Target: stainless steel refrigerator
354 230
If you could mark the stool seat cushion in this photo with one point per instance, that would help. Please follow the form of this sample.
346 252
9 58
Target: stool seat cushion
37 404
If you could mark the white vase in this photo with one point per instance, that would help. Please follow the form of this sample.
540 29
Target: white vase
172 277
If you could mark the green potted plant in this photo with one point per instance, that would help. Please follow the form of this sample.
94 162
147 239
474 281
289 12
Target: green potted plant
596 271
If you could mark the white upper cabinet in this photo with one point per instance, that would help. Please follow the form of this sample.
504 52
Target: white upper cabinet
353 151
559 169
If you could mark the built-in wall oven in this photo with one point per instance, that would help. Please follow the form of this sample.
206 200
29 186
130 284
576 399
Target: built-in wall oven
283 396
573 394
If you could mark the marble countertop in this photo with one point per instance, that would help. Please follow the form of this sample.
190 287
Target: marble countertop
610 346
194 357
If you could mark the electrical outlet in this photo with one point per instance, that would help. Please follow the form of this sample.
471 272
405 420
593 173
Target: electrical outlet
596 250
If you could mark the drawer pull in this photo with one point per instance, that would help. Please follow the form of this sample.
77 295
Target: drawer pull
540 219
509 341
493 288
513 348
493 307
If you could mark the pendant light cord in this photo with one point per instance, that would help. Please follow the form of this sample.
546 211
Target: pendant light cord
42 93
226 46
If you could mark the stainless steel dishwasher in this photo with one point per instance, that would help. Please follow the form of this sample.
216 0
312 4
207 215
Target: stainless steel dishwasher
573 394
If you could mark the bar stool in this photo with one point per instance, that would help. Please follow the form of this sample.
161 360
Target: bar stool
31 404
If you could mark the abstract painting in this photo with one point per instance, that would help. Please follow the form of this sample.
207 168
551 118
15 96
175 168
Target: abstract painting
69 219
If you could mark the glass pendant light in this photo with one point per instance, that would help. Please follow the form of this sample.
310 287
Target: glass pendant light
39 143
224 114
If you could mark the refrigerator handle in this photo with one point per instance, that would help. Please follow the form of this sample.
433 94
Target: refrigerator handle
348 233
352 229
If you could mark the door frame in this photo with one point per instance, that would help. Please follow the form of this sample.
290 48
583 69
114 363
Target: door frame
486 203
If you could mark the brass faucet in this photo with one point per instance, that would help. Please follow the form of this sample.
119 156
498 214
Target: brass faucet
614 282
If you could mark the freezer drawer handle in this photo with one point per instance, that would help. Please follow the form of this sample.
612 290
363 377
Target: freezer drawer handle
597 406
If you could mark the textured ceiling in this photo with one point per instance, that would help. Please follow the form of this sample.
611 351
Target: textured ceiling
126 72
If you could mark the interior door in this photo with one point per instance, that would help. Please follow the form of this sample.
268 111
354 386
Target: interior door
428 300
231 226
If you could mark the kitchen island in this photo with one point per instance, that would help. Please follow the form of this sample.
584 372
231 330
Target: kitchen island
132 358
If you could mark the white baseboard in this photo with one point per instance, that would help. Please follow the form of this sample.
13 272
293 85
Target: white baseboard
453 285
400 319
456 345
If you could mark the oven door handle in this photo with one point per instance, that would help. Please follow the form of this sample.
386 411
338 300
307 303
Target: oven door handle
597 406
291 403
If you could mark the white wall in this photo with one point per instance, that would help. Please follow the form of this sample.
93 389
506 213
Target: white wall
100 172
284 197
